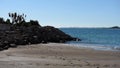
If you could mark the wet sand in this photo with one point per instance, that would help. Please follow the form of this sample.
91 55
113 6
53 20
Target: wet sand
55 55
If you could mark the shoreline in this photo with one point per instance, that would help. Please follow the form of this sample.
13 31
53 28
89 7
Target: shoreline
100 47
57 55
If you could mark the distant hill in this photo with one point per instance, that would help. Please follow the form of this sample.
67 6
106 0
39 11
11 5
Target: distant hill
115 27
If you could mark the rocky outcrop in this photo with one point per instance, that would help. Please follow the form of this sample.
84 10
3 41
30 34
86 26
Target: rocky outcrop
32 35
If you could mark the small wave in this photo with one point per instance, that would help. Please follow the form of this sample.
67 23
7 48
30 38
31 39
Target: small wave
105 38
116 48
98 47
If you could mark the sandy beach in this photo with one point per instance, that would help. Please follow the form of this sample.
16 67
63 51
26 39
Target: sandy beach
55 55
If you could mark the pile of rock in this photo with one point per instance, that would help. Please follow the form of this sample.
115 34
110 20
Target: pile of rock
32 35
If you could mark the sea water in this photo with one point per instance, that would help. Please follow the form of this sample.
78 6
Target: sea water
97 38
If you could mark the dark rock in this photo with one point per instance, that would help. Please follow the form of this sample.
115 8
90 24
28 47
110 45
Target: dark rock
3 46
76 39
32 35
13 45
54 35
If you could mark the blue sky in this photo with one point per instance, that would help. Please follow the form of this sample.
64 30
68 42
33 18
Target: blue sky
66 13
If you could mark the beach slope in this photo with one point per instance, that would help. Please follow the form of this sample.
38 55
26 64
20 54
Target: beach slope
55 55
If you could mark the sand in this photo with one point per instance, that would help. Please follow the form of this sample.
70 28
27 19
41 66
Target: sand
55 55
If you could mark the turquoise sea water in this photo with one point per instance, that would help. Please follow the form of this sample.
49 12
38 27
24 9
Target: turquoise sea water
97 38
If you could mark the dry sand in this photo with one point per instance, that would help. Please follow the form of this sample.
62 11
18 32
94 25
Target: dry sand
54 55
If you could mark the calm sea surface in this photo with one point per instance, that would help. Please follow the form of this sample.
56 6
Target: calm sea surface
97 38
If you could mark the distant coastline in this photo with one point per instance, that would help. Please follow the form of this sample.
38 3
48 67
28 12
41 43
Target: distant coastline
115 27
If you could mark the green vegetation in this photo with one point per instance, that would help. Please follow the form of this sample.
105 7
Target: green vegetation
18 20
